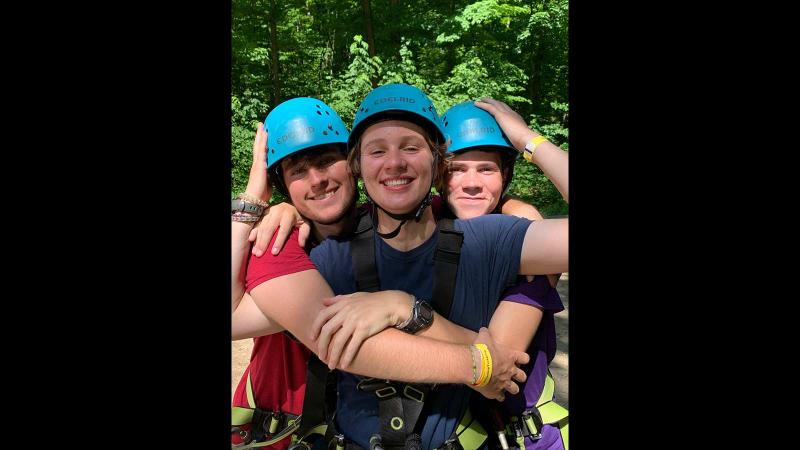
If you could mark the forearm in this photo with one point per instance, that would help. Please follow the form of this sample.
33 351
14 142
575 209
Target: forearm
443 330
513 325
248 321
240 251
390 354
553 161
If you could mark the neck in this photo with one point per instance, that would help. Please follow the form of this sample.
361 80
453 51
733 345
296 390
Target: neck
321 232
412 234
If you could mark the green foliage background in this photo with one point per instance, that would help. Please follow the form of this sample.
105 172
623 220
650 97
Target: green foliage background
513 50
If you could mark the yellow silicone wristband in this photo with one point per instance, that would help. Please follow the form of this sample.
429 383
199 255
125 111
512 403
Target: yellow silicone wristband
531 147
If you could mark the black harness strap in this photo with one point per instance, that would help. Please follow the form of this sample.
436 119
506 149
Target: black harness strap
316 401
401 404
448 252
362 249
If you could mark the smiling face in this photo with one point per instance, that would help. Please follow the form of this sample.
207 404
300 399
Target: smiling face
319 185
474 183
396 164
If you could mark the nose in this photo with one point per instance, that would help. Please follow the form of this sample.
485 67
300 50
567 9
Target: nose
471 181
317 177
395 161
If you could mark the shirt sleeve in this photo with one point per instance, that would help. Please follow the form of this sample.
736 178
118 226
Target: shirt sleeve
538 293
291 259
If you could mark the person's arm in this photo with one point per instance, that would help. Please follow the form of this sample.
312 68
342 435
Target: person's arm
515 207
553 161
390 354
248 321
545 249
258 187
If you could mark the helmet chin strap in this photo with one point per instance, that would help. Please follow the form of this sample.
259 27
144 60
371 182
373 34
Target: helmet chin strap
403 218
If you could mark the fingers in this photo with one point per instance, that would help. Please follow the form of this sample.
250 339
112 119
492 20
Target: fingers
511 387
326 334
321 319
519 375
260 145
286 227
338 343
253 234
486 106
521 358
328 301
265 231
302 236
352 348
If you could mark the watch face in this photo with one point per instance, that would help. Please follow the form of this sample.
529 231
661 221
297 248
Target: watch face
425 311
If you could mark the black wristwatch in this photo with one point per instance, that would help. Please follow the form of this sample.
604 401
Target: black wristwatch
239 205
421 317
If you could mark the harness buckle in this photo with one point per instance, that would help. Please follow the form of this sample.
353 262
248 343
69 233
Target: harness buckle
260 424
244 435
414 393
533 422
452 444
386 392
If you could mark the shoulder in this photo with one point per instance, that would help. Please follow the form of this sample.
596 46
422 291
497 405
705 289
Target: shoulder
330 248
491 222
291 259
515 207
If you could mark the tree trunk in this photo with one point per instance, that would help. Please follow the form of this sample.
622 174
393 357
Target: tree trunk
368 25
370 33
394 7
535 75
273 38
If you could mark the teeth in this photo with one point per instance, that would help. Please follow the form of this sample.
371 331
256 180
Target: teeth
397 182
323 196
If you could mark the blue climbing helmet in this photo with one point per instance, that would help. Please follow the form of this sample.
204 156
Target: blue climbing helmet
471 128
397 101
298 125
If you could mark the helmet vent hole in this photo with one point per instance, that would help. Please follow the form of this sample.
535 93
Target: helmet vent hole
318 107
330 127
325 132
445 123
319 113
273 150
327 113
337 133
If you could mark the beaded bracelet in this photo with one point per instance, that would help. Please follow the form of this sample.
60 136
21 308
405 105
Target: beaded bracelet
249 198
474 368
244 217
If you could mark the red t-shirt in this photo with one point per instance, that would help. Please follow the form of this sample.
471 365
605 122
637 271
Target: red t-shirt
277 366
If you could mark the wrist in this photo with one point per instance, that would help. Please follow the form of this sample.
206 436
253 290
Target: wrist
255 196
403 310
523 140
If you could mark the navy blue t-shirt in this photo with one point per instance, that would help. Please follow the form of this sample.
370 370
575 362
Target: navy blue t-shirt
489 264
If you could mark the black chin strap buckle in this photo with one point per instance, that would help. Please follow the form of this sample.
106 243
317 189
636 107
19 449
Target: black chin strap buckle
424 204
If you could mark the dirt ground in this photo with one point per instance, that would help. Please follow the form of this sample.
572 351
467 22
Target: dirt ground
240 351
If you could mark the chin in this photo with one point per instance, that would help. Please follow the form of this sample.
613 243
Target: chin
465 212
